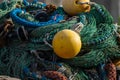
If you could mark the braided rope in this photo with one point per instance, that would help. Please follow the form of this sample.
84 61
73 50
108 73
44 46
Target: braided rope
99 54
111 71
93 58
97 37
41 33
108 31
107 18
19 20
103 34
92 29
88 20
54 75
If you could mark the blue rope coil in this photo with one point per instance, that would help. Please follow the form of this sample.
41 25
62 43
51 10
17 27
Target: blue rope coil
56 18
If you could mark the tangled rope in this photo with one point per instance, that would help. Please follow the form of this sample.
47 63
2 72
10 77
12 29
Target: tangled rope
55 18
28 55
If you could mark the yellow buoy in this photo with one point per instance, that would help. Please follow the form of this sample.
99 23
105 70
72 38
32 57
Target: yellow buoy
66 44
72 8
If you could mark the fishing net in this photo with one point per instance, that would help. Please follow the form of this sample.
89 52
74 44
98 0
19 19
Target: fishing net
26 50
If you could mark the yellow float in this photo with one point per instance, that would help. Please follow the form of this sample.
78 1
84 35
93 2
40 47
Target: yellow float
72 7
66 44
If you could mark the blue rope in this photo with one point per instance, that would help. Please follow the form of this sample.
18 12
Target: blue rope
33 75
29 74
56 18
101 71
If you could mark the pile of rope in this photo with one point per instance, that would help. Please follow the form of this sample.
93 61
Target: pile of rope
26 34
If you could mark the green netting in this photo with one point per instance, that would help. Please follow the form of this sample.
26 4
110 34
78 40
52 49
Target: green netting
98 44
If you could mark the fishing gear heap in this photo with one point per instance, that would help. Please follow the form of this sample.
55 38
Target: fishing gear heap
76 41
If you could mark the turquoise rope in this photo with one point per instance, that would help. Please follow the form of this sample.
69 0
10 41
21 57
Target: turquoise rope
17 19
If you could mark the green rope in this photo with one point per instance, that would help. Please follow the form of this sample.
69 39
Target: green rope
7 6
97 35
101 35
91 59
14 56
101 14
90 26
48 32
96 54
